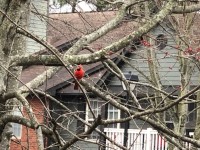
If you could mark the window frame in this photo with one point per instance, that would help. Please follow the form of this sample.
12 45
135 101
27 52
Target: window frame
165 115
161 41
100 103
17 110
192 113
114 111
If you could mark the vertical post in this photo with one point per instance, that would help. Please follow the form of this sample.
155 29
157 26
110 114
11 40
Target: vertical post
129 77
126 125
148 145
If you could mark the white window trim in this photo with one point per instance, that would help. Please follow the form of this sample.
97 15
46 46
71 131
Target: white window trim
90 119
87 119
16 111
167 121
118 116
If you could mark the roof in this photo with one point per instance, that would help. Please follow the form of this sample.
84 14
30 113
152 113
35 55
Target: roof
66 28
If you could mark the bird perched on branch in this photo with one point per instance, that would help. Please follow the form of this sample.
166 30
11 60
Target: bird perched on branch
78 73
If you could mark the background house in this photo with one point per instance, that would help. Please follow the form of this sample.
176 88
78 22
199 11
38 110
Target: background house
75 26
61 85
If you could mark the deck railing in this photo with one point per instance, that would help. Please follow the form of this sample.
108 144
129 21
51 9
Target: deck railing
137 139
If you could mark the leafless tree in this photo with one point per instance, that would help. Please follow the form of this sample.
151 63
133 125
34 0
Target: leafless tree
150 14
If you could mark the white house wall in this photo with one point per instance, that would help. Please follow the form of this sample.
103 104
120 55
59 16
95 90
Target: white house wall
37 25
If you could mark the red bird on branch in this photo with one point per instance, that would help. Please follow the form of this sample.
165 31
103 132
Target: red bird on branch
78 73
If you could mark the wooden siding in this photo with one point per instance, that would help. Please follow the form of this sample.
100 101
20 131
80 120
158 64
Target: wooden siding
37 25
64 118
168 67
86 146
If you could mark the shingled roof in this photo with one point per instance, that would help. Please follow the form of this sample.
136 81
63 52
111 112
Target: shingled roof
66 27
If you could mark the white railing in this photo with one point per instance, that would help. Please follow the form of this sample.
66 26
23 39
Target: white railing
137 139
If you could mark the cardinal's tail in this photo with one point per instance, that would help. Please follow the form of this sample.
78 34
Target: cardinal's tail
76 86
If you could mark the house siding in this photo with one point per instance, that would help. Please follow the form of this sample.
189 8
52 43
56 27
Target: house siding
28 138
168 67
86 146
37 25
77 105
64 118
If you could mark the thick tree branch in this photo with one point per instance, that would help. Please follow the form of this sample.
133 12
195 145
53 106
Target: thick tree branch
52 60
103 30
121 76
97 56
186 9
26 122
167 9
33 118
17 119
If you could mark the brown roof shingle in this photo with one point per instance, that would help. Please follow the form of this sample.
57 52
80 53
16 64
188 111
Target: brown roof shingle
66 27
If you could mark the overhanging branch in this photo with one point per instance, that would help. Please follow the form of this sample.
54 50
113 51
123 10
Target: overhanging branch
52 60
186 9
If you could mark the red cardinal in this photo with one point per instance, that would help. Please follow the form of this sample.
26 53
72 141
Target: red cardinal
78 73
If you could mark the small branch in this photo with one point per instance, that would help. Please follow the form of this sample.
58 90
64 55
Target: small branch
78 118
84 134
140 115
26 106
121 76
115 2
56 132
168 138
17 119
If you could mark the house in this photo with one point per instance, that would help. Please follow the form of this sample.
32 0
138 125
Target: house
168 69
60 85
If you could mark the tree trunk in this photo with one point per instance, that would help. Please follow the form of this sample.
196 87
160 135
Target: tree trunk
11 44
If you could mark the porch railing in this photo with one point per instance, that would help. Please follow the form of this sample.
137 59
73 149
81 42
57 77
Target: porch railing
137 139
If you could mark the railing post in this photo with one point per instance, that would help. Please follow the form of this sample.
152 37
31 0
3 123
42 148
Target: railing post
148 142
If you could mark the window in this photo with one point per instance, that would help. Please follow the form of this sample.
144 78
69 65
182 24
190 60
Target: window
191 115
136 43
113 113
191 112
96 107
168 118
161 41
17 128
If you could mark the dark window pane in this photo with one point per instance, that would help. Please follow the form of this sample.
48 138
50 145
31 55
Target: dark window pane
161 41
191 112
